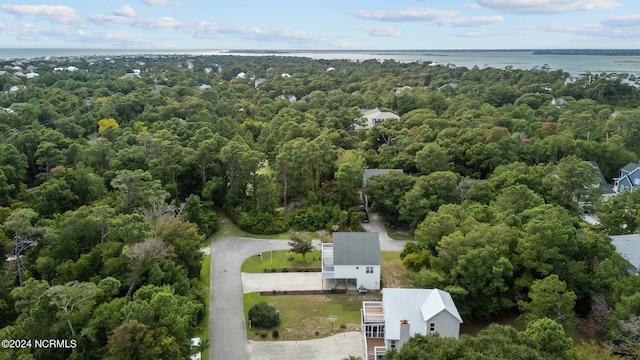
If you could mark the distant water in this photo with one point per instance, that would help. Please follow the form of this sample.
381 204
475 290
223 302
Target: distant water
574 64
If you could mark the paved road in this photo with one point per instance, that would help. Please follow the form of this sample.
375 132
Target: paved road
226 318
386 243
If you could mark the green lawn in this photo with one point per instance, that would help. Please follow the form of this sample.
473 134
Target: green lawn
394 274
306 317
254 264
203 327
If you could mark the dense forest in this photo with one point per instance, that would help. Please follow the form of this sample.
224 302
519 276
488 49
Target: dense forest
111 169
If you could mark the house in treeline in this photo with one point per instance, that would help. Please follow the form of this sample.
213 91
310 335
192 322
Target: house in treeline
368 173
629 178
352 261
373 117
403 313
628 246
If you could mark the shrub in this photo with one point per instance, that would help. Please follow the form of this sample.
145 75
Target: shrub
260 222
273 270
275 334
264 315
285 270
263 334
343 326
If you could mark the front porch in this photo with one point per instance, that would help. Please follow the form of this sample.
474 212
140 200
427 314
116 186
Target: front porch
373 329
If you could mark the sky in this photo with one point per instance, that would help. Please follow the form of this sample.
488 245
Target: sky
321 24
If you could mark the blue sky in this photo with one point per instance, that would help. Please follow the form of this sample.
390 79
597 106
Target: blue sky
321 24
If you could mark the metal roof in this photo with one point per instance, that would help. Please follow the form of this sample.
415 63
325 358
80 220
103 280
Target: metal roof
415 305
629 247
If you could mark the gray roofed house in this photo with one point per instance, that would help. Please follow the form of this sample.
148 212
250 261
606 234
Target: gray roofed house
356 248
628 246
402 313
353 259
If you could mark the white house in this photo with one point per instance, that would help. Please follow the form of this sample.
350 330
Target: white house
352 260
403 313
373 117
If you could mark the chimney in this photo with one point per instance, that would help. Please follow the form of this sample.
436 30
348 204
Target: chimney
404 332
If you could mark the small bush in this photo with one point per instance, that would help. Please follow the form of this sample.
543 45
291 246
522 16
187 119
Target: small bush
263 334
273 270
343 326
317 332
275 334
274 292
264 315
285 270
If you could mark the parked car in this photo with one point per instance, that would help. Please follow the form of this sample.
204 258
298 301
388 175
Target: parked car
365 219
196 342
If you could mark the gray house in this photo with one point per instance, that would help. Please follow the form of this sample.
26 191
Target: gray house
628 246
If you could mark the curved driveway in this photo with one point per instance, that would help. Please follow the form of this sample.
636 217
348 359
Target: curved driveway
228 337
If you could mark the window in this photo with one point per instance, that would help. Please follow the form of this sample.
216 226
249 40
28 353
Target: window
374 331
393 344
636 181
369 269
432 327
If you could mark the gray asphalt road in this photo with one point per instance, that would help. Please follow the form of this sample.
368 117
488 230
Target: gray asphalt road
228 339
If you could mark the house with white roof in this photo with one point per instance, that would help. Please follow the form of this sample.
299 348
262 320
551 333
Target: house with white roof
403 313
628 246
352 261
373 117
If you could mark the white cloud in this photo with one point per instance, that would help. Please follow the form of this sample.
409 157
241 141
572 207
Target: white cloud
205 29
110 19
126 11
60 14
157 23
471 21
595 31
623 21
382 31
413 14
144 23
160 3
547 6
32 32
208 30
122 39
